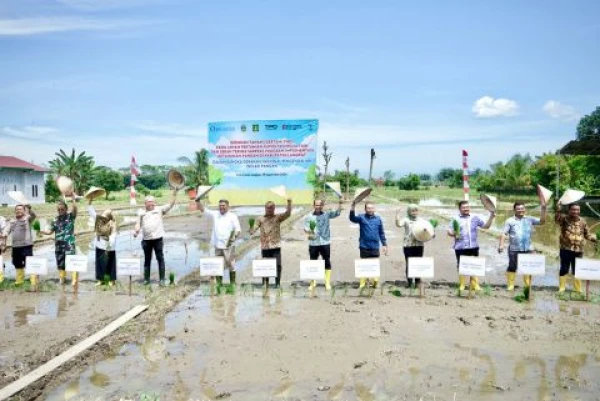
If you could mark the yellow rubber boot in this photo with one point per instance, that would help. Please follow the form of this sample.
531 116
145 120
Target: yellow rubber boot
577 285
1 275
362 282
74 278
527 280
562 283
461 283
510 281
475 284
313 284
327 279
375 282
62 276
20 277
33 280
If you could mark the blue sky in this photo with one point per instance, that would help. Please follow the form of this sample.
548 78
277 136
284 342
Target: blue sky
418 81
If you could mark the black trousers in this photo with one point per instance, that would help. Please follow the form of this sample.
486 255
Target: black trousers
412 252
276 254
106 264
567 261
323 250
465 252
155 245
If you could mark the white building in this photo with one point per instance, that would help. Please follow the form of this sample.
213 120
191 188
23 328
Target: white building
19 175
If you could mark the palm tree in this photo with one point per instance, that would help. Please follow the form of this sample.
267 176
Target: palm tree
79 168
196 169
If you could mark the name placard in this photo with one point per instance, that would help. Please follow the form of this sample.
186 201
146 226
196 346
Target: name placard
471 266
365 268
129 266
211 266
264 267
531 264
76 263
420 267
312 269
587 269
34 265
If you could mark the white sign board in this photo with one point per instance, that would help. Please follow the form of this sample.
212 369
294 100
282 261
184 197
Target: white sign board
420 267
530 264
312 269
129 266
76 263
366 268
264 268
587 269
35 265
471 266
212 266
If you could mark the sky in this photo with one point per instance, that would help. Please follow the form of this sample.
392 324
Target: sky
417 81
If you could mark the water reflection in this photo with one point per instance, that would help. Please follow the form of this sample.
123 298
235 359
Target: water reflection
46 309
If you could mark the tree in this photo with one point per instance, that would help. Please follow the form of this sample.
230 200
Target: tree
153 181
108 179
51 192
196 169
589 126
371 165
79 168
326 160
215 175
409 183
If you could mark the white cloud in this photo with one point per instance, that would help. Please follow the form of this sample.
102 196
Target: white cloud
487 106
34 132
170 129
42 25
560 111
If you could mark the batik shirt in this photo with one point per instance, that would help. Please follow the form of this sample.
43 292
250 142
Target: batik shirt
519 232
467 239
270 230
573 233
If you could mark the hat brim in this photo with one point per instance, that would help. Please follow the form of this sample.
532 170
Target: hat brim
571 196
18 197
202 191
362 193
489 202
94 193
335 187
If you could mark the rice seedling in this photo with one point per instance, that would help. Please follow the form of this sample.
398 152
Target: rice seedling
456 227
171 278
106 280
527 292
434 222
395 292
487 290
312 225
251 222
36 226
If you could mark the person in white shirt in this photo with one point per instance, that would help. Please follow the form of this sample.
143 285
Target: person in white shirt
2 245
151 224
226 228
105 243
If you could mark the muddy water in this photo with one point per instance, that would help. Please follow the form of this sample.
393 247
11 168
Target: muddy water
46 309
172 365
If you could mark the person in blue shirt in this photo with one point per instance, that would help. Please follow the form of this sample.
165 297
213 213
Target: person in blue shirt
372 235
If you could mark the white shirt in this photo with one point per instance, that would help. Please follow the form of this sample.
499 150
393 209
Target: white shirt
151 222
223 225
101 243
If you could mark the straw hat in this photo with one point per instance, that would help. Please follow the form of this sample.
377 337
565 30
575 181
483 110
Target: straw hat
94 192
544 194
489 202
176 179
335 186
280 191
571 196
361 193
65 185
203 190
18 197
422 230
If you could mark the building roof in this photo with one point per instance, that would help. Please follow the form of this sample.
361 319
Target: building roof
13 162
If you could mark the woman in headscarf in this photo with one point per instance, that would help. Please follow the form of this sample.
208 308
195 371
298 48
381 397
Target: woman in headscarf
413 248
105 242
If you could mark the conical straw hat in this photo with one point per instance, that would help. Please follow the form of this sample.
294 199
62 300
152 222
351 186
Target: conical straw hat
571 196
94 192
489 202
279 190
335 186
544 194
18 197
176 179
361 193
202 190
65 185
423 230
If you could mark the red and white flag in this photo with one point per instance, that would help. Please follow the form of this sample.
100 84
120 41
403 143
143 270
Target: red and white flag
465 167
135 171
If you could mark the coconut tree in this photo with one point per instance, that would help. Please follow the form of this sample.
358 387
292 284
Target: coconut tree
196 168
78 167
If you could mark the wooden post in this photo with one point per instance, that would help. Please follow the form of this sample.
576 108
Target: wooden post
129 285
470 288
587 290
347 178
421 289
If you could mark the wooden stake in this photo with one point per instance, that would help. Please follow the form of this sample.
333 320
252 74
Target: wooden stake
129 285
587 290
470 288
421 289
